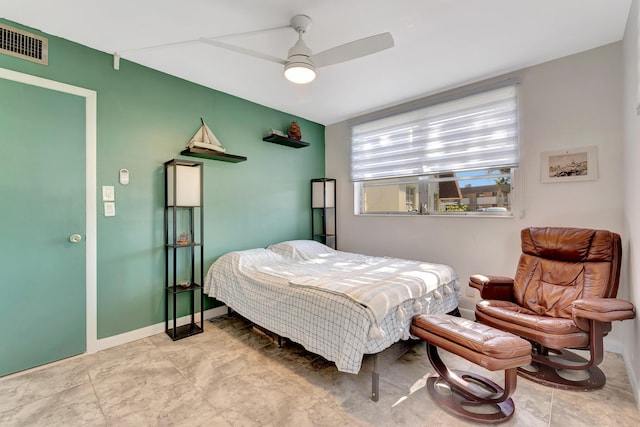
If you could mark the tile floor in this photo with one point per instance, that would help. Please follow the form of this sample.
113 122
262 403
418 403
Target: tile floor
234 375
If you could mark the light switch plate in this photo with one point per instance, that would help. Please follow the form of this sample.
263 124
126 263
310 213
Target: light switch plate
109 209
108 193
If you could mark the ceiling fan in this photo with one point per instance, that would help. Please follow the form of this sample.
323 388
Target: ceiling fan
301 64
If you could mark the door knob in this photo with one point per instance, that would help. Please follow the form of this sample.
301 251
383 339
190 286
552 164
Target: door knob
75 238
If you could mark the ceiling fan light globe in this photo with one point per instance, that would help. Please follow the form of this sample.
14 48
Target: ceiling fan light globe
299 72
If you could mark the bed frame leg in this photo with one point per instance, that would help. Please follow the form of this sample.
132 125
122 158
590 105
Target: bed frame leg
375 380
384 359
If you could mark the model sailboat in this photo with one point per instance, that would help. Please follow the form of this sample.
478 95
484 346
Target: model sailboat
205 139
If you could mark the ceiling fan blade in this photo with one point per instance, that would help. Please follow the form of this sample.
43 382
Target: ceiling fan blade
353 50
243 50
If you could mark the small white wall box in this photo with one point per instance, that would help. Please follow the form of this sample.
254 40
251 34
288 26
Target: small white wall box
124 176
184 180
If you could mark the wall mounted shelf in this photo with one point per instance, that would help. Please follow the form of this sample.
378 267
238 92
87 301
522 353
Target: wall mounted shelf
208 154
283 140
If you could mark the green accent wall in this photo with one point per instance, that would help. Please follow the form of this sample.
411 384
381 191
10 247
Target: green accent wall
145 118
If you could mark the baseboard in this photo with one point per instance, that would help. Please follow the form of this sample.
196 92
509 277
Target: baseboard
634 378
124 338
116 340
613 346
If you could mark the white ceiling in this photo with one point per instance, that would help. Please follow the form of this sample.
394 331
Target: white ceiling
439 44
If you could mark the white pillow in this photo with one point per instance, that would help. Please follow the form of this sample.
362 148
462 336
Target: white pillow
302 249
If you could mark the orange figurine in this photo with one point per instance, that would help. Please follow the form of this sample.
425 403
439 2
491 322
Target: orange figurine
294 131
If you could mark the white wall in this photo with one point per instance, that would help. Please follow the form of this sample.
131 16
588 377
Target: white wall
631 175
567 103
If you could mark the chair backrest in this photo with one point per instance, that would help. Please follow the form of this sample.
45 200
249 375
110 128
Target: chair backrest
560 265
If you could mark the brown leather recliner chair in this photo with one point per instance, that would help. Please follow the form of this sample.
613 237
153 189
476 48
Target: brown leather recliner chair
563 297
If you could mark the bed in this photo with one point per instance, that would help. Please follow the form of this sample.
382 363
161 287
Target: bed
339 305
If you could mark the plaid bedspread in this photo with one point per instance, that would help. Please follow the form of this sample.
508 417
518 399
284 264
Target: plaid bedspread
328 324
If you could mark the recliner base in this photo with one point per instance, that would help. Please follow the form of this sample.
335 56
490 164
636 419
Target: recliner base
549 376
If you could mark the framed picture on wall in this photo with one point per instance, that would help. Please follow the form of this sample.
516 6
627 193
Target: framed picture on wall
573 164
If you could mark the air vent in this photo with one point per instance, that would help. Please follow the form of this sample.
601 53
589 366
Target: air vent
24 45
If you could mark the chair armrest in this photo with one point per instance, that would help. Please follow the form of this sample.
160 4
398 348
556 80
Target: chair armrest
603 309
493 287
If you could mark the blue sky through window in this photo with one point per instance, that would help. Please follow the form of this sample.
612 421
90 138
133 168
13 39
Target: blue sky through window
476 182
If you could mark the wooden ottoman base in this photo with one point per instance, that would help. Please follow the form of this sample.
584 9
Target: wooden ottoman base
487 403
466 394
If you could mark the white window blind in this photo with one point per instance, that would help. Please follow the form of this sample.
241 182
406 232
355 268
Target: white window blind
479 131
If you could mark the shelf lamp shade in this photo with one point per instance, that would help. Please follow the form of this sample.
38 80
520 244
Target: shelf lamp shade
323 193
187 181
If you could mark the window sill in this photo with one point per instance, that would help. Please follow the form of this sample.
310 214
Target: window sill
439 215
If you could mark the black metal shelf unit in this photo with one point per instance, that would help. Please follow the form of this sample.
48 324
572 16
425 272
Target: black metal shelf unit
184 248
323 211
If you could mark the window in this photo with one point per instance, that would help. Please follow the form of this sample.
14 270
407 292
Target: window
451 157
487 192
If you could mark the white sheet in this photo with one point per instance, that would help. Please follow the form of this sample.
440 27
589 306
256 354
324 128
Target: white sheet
379 284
